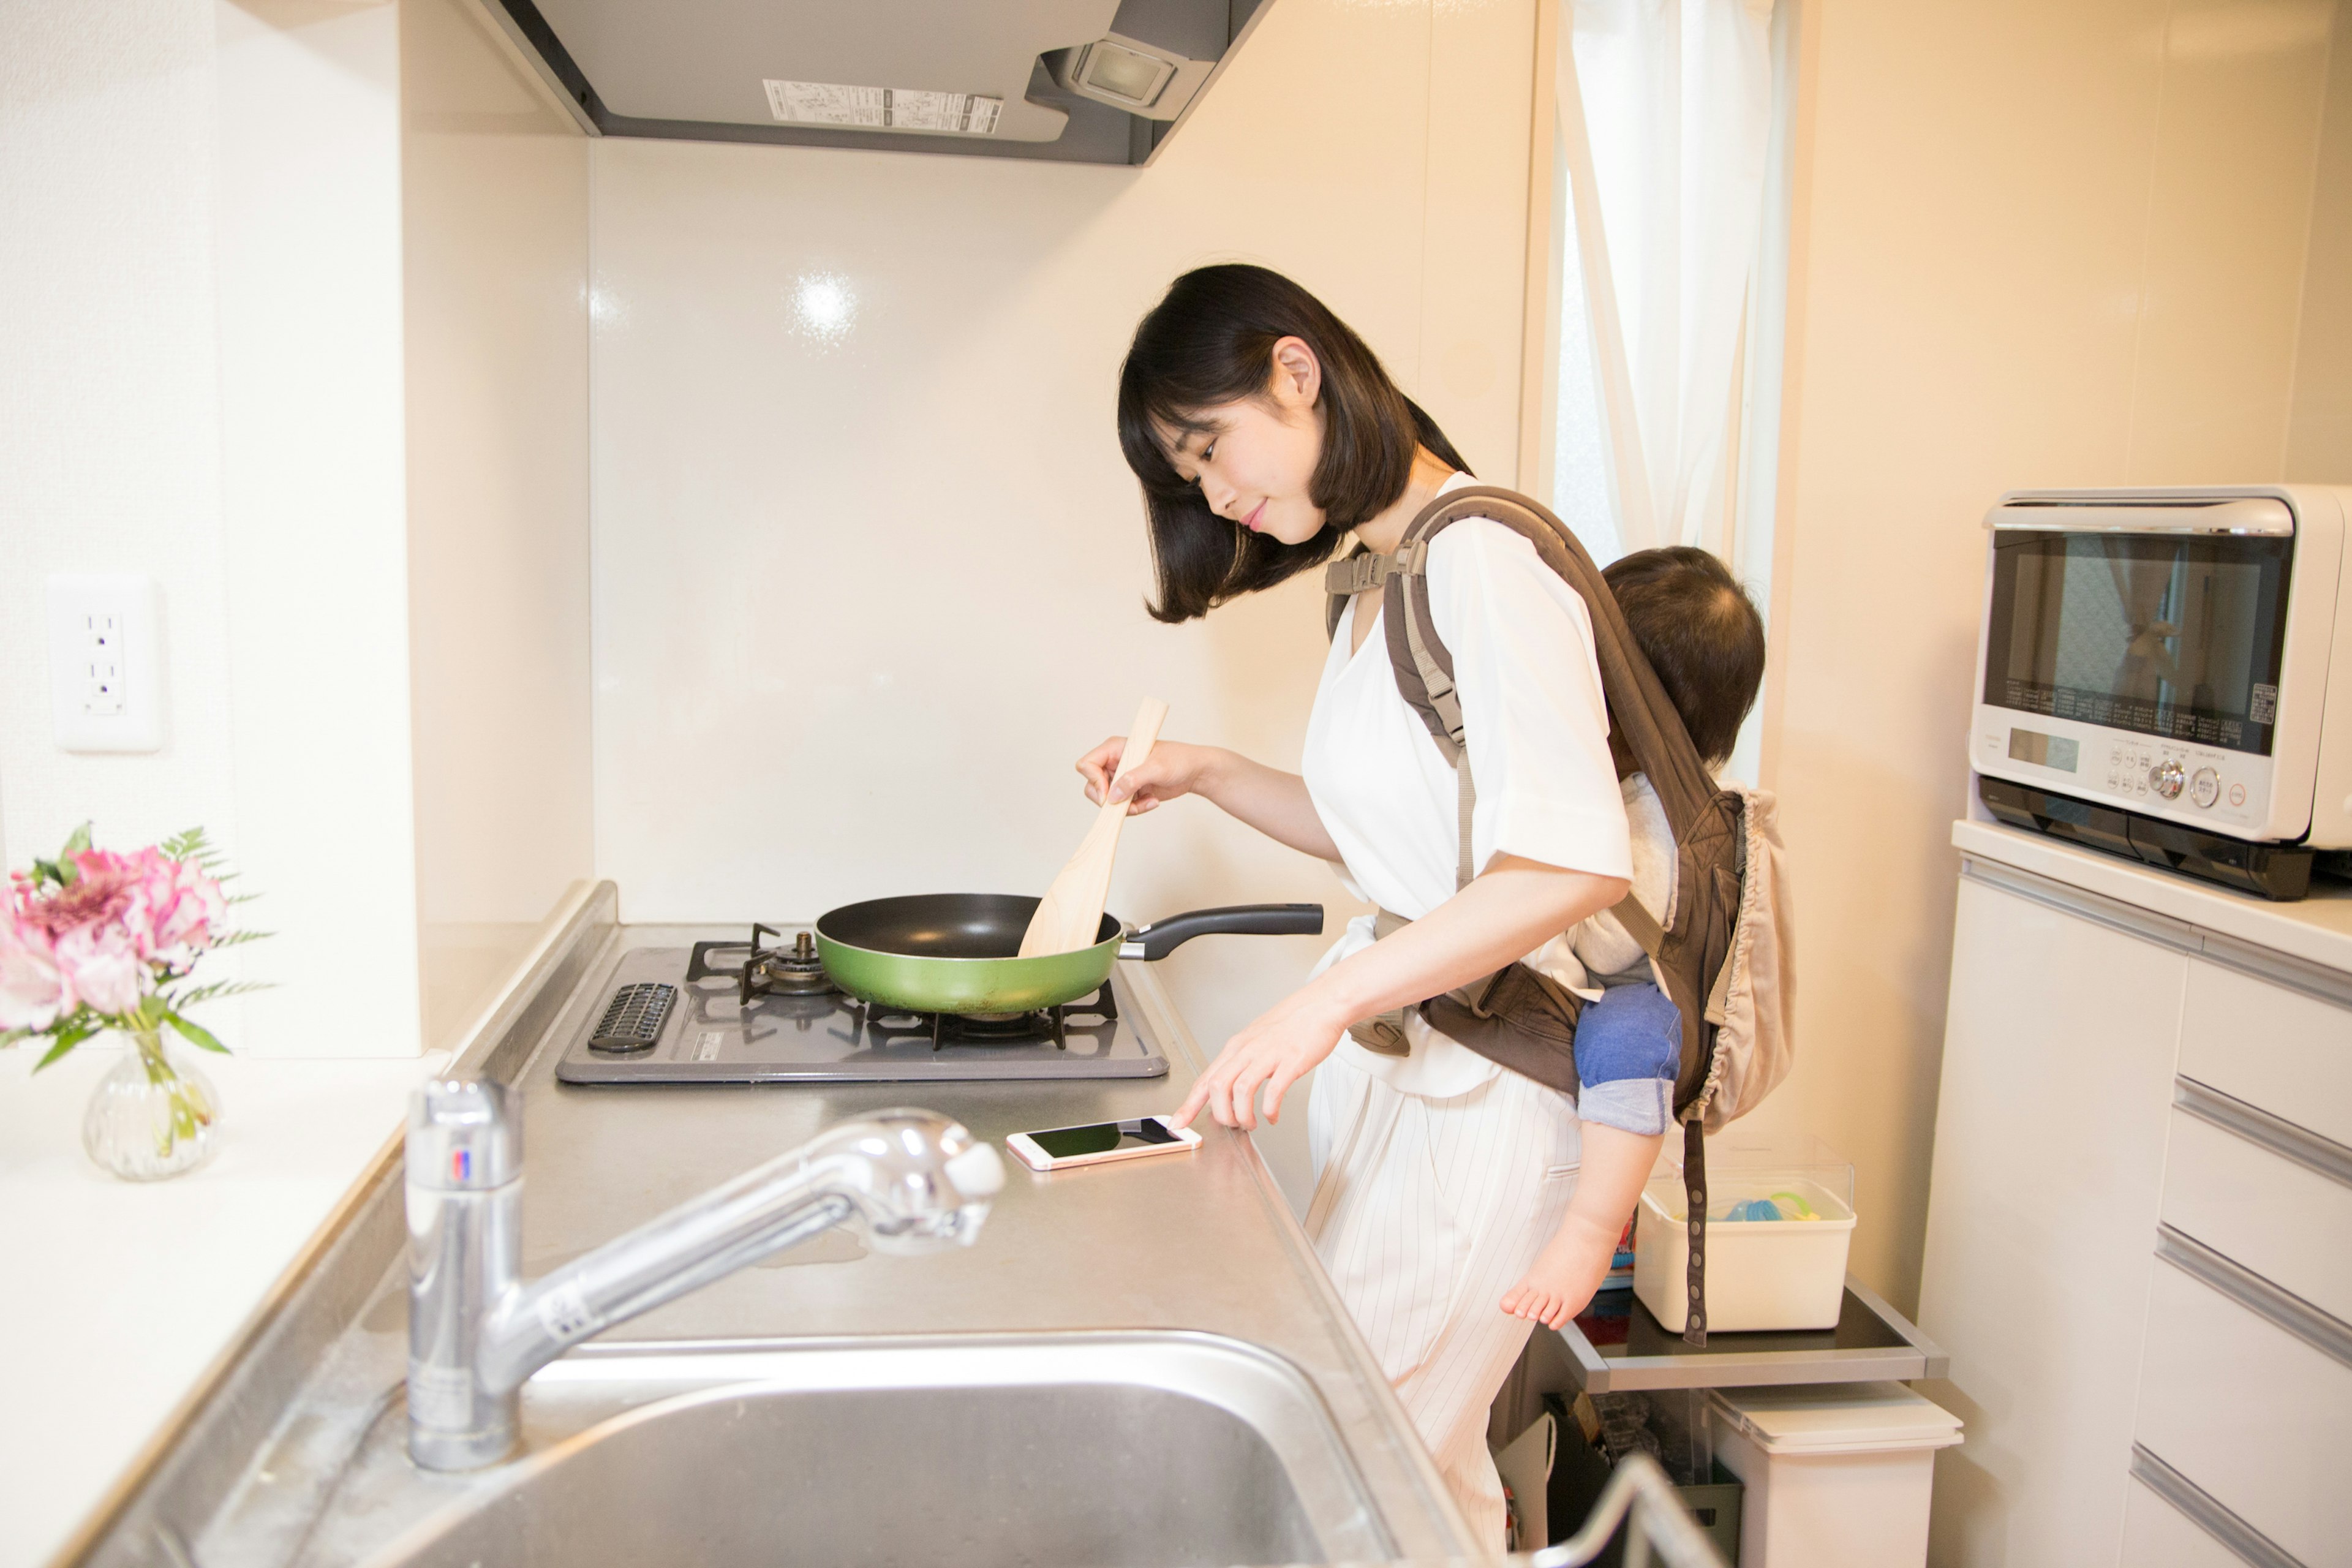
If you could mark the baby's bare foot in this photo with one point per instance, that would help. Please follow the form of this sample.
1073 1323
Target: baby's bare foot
1559 1282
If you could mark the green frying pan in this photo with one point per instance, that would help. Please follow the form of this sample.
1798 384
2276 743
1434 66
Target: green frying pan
955 953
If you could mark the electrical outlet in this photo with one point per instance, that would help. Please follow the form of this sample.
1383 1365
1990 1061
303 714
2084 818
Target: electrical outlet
106 666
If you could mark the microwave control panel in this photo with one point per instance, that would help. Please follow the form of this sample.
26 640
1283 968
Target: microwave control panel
2225 791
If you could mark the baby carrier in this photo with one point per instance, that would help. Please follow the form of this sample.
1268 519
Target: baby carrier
1722 947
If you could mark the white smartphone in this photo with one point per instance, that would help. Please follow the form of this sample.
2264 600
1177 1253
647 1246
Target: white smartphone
1058 1148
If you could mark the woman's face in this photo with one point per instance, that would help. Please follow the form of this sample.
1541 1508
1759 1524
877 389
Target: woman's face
1255 460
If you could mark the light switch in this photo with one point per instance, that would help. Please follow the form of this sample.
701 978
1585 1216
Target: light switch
106 666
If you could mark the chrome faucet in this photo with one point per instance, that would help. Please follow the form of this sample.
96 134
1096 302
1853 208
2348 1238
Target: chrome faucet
915 1181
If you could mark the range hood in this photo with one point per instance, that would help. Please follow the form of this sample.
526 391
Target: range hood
1082 82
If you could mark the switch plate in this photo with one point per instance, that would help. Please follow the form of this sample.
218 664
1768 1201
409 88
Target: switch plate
106 666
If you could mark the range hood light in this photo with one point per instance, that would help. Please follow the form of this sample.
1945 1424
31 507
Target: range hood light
1117 71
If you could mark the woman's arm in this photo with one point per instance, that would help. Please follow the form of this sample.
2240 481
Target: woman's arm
1510 909
1272 802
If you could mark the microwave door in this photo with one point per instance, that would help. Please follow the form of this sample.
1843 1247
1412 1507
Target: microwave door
2149 661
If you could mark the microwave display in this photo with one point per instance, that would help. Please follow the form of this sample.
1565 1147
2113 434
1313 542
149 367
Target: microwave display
2174 635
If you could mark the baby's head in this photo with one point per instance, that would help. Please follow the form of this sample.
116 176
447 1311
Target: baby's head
1700 632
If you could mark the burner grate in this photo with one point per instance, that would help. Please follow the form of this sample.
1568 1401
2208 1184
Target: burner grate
889 1024
795 971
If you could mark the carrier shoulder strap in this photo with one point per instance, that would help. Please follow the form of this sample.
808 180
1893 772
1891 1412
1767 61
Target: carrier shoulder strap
1706 821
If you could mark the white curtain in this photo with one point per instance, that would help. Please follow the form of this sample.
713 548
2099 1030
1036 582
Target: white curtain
1666 110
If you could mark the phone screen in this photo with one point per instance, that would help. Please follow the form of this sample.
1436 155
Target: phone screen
1102 1137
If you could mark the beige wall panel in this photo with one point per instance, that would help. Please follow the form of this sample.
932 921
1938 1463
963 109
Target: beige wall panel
495 192
2229 217
1971 192
1481 92
2319 431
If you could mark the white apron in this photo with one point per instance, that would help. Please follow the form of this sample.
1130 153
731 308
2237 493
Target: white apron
1440 1176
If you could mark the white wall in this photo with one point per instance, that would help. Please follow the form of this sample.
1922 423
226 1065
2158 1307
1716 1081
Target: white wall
315 515
209 373
110 422
201 366
2032 245
864 593
495 240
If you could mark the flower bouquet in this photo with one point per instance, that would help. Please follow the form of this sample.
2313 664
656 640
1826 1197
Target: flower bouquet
95 941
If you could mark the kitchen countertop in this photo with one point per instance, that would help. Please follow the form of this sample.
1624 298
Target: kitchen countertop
1202 1241
120 1295
2317 929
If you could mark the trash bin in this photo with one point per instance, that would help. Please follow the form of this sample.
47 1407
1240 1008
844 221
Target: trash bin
1579 1472
1837 1475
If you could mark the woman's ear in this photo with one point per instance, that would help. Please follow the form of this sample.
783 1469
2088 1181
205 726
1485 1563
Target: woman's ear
1298 378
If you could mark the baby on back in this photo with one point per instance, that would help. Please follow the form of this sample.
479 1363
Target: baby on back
1705 640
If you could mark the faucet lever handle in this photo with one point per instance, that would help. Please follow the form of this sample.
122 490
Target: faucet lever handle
464 1135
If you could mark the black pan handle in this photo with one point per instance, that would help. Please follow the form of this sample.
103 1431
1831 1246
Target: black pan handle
1162 938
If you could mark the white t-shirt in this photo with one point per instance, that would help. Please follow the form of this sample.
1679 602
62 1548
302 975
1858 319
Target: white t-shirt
1537 730
1603 945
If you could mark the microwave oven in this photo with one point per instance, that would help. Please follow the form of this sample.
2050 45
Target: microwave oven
2166 674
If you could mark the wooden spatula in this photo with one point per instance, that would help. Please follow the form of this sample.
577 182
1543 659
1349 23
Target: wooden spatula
1071 911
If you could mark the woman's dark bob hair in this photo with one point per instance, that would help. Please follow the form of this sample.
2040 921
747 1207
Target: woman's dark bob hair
1210 342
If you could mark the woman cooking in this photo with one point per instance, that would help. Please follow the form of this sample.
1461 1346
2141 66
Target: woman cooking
1263 429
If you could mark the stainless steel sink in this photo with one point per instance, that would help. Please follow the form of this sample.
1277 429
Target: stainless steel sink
1138 1449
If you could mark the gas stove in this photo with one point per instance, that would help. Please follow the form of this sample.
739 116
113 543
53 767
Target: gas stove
746 1012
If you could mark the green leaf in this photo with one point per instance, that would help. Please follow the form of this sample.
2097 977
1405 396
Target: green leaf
67 872
214 990
196 1033
67 1037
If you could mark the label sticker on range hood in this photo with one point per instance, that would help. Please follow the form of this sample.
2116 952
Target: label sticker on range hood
891 108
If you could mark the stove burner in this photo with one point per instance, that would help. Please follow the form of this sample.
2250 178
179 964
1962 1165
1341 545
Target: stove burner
887 1023
796 970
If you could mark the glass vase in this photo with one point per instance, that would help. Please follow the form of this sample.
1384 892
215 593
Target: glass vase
152 1115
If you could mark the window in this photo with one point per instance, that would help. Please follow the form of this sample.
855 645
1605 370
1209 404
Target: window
1669 238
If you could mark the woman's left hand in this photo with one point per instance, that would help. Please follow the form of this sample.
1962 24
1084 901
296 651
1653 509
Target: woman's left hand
1275 1051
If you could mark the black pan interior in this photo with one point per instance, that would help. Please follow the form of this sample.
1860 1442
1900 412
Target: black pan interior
941 925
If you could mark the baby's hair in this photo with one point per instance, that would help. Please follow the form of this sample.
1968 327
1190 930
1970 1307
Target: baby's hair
1700 632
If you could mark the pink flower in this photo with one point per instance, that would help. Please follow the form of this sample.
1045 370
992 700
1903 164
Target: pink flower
32 990
101 963
182 906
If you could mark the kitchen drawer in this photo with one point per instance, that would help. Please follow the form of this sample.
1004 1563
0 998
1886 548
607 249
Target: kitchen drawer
2252 1412
2262 1195
2170 1522
2288 1052
2159 1535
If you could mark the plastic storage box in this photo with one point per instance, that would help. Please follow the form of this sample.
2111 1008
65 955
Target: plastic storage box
1760 1273
1837 1475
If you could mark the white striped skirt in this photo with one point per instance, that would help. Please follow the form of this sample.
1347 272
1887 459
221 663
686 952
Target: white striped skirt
1425 1212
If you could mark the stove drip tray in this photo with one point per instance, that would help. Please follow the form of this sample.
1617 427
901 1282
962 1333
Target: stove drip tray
748 1012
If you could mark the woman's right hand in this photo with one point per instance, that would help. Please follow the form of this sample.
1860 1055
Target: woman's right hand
1171 769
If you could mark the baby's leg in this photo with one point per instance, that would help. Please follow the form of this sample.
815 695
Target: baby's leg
1628 1045
1564 1275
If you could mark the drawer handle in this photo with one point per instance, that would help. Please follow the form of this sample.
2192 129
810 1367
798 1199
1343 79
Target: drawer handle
2207 1512
2322 1156
2323 1331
